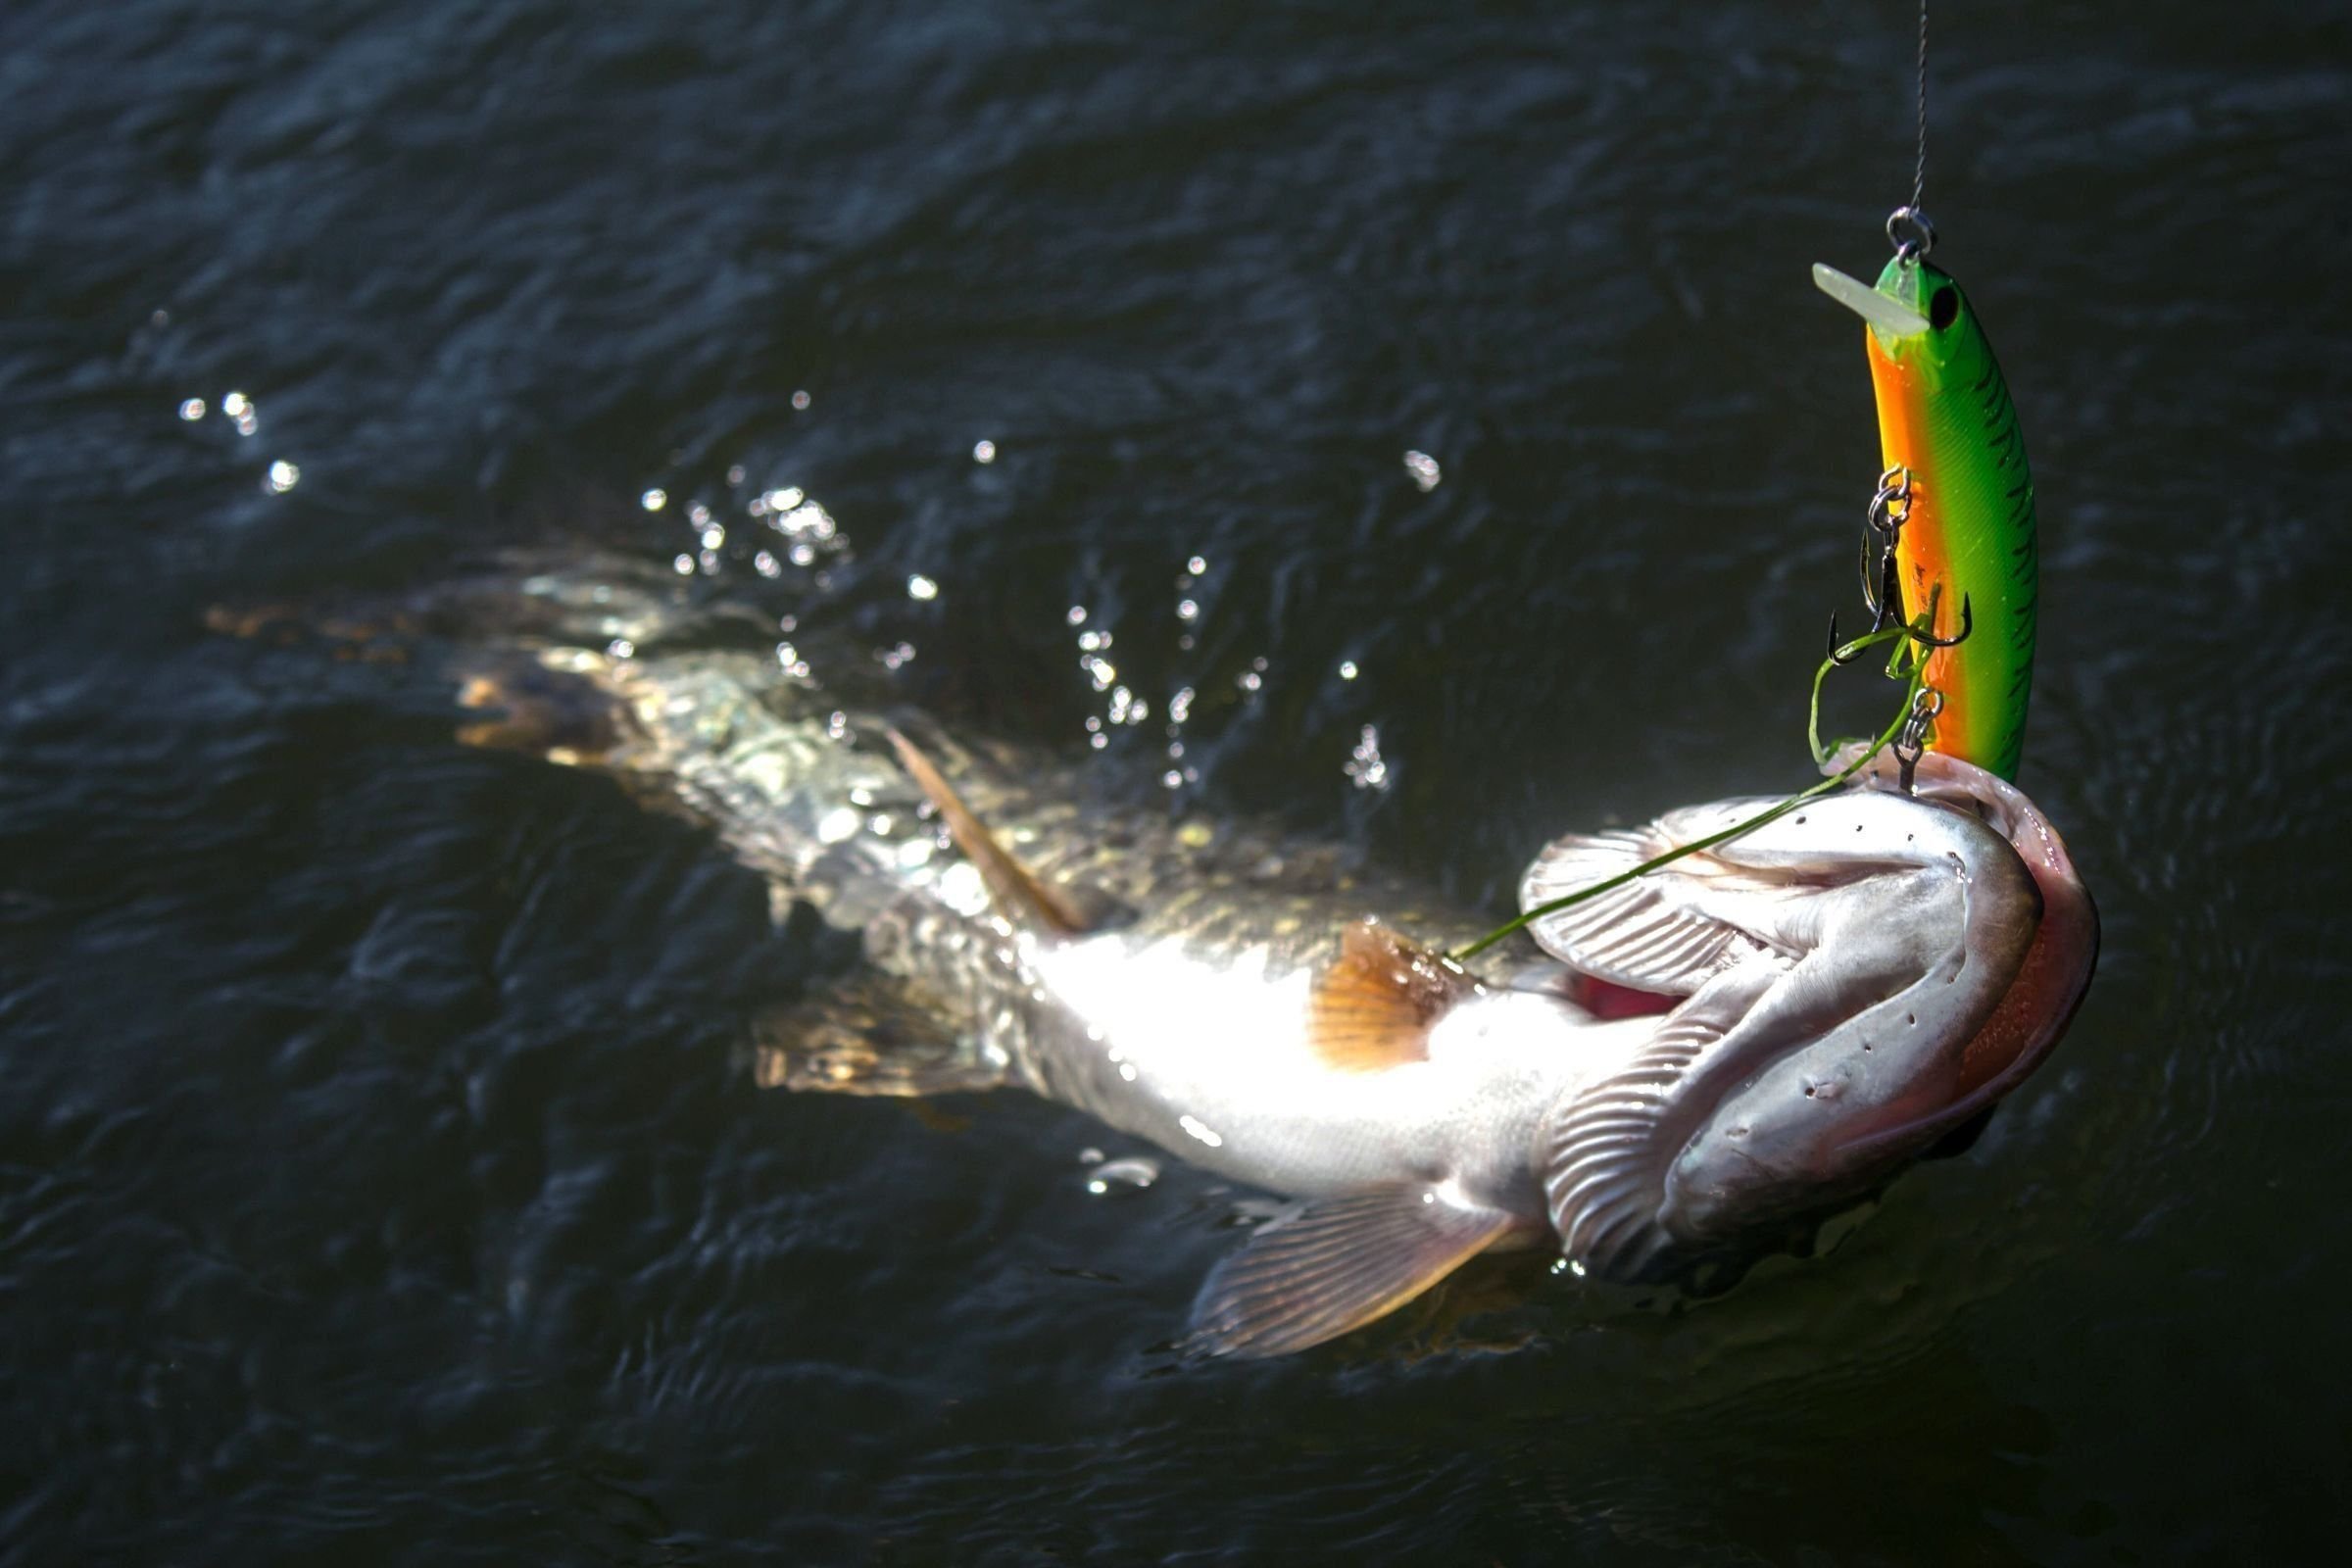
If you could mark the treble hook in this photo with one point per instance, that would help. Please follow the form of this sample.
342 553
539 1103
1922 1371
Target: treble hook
1885 602
1838 655
1926 636
1889 510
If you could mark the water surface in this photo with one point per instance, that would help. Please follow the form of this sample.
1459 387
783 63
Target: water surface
380 1172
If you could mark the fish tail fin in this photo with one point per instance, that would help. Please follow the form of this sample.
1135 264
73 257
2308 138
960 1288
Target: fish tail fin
515 704
509 695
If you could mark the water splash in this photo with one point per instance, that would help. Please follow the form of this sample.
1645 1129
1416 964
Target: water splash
1122 1178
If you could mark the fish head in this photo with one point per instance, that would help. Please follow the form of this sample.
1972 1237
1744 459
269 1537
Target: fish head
1920 322
1895 998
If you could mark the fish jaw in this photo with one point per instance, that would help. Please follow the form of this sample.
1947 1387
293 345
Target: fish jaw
2057 970
1883 933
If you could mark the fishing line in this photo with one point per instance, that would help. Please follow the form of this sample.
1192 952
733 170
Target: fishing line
1907 228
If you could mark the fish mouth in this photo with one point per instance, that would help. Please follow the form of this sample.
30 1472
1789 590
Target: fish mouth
1787 1085
2056 972
1889 317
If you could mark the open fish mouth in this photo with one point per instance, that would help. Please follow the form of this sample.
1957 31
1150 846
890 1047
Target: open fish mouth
1841 968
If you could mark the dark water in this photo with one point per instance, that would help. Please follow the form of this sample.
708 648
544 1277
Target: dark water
379 1175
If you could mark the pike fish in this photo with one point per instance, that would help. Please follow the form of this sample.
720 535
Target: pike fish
1841 990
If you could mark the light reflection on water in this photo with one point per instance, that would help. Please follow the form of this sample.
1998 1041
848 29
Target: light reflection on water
377 1149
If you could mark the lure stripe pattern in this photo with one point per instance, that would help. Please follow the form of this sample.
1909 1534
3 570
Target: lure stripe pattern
1946 415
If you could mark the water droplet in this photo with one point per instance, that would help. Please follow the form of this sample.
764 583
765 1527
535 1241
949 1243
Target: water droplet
283 476
191 408
621 648
683 565
1077 615
1180 705
1098 741
922 587
799 401
1090 1157
1424 470
735 473
236 405
1187 609
1172 779
984 452
1364 765
697 515
767 566
1251 680
654 500
1196 566
713 537
1348 670
1122 1177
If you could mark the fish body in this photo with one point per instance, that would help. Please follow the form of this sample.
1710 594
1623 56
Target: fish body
1967 532
1287 1019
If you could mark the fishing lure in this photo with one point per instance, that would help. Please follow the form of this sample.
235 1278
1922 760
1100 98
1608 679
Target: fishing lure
1958 499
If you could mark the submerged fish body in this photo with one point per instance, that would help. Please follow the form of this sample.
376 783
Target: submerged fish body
1273 1015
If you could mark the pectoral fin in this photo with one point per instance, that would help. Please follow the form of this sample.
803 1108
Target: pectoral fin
1337 1264
1656 933
1018 894
1374 1006
1599 1149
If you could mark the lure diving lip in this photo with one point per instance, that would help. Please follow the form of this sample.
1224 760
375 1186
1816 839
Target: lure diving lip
1946 420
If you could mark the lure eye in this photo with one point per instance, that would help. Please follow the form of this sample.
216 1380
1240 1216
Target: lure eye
1945 309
